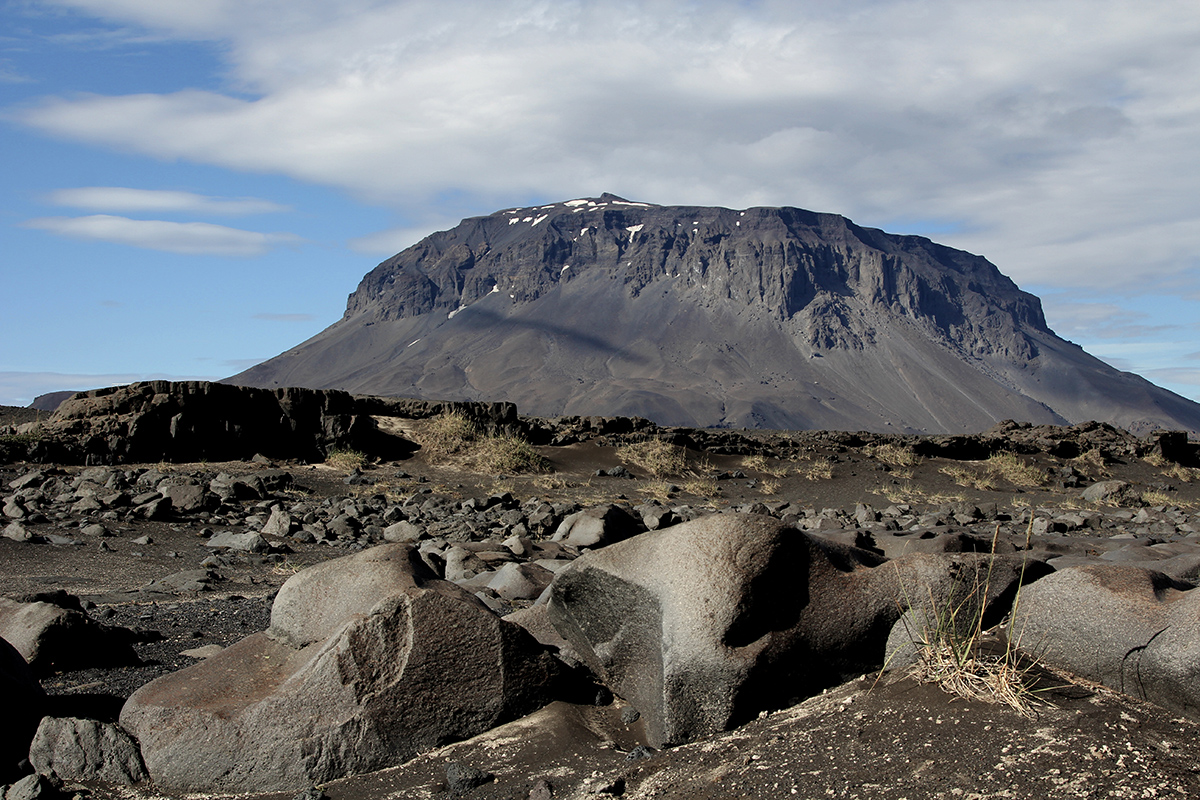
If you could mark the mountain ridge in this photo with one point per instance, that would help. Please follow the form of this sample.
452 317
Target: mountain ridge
711 317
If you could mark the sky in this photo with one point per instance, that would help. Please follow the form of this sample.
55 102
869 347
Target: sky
190 188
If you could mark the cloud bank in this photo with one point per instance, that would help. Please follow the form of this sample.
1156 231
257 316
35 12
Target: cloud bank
1051 136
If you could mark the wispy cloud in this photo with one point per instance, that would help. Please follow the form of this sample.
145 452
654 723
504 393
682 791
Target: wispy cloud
116 198
286 317
189 238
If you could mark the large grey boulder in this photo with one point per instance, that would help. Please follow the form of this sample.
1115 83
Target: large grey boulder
50 637
72 749
24 703
598 526
1133 629
369 660
702 625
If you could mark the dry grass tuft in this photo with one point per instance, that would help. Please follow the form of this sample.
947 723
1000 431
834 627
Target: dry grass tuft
1153 497
759 463
499 454
951 650
1181 473
447 434
453 435
914 494
1156 460
816 471
768 486
894 454
1013 469
347 460
970 478
658 458
702 487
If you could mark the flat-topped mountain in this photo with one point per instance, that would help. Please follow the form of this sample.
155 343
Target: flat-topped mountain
767 317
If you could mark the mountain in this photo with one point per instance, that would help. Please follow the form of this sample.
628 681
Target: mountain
711 317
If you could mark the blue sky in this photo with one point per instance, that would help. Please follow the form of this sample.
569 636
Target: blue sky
192 187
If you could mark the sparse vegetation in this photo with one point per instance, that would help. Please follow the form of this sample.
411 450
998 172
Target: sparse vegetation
816 471
1013 469
447 434
768 486
909 493
702 487
660 459
894 454
1155 460
1181 473
951 653
15 446
970 478
759 463
1091 462
509 454
454 435
1154 497
347 460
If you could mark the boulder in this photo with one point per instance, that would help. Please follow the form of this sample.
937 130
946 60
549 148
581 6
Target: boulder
51 638
1111 492
702 625
17 532
280 523
598 526
369 660
248 542
71 749
403 531
188 498
1132 629
24 704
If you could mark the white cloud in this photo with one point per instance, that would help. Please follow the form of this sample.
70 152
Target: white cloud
189 238
1057 134
116 198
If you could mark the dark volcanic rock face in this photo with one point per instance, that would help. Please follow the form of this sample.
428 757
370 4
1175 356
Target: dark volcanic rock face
768 317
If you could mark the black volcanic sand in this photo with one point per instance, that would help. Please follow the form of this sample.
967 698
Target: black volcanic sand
890 739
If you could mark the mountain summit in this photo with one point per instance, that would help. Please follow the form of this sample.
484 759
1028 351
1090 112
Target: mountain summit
767 317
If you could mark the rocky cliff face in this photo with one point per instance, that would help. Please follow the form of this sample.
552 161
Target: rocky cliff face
767 317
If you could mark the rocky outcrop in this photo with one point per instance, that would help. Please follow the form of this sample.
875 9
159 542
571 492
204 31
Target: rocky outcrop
369 660
200 421
713 317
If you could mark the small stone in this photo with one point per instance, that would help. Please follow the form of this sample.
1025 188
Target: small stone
462 778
